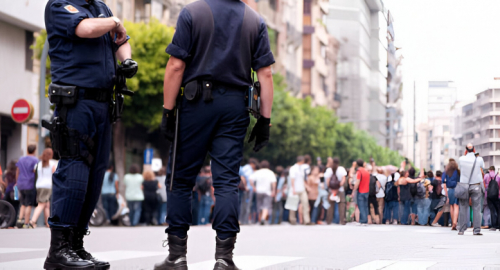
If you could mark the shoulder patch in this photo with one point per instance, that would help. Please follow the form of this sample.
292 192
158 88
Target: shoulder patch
71 9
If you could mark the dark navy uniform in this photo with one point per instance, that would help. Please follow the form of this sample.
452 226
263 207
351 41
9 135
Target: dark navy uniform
88 64
220 41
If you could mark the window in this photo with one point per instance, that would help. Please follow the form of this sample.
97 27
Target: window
28 51
323 84
307 7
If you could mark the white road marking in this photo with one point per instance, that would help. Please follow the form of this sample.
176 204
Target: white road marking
110 256
17 250
394 265
246 262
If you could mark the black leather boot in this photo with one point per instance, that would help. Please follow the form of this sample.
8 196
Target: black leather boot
77 246
176 259
61 256
224 254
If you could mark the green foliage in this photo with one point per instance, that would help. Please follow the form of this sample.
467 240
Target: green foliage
299 129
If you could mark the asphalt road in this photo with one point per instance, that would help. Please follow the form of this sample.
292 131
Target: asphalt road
276 247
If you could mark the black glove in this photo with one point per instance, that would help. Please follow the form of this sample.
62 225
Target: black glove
261 132
168 124
129 68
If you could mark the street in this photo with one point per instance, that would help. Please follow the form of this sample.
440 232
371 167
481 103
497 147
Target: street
276 247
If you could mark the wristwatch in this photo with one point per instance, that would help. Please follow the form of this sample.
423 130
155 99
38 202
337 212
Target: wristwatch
117 21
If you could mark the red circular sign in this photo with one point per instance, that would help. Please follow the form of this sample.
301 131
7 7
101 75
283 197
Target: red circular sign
22 111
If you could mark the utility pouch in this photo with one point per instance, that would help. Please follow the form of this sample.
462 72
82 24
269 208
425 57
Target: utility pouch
253 100
207 90
192 90
63 94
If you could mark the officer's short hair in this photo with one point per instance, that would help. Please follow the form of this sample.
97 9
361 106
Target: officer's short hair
300 159
134 168
31 148
264 164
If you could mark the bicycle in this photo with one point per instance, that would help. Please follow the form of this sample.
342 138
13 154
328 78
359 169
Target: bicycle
7 215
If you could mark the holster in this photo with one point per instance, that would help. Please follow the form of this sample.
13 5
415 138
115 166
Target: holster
253 100
65 140
194 89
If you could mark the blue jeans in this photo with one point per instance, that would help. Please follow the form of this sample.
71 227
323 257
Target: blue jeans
109 204
391 211
162 212
406 211
363 207
206 203
423 210
135 208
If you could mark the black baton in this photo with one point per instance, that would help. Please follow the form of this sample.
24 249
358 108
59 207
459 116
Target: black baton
174 154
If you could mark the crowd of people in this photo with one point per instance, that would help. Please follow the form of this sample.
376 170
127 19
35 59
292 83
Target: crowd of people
304 193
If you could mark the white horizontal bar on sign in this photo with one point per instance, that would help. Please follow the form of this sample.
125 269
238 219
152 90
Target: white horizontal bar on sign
19 110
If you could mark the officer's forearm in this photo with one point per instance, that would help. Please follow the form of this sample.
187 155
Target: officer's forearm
265 77
124 52
94 27
172 82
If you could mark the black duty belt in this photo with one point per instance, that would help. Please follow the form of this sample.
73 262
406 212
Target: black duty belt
97 94
203 88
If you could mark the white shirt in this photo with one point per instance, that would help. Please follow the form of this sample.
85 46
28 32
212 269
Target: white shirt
263 179
465 165
44 175
382 179
297 173
341 172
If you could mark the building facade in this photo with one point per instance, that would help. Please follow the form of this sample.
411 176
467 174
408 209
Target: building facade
360 26
19 20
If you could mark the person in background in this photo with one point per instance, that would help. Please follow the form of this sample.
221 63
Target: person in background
109 191
312 184
422 199
451 178
264 181
205 195
297 183
470 165
25 176
493 203
374 216
278 200
436 196
391 209
413 203
382 180
246 202
340 196
405 196
133 193
362 187
10 181
150 188
44 171
162 196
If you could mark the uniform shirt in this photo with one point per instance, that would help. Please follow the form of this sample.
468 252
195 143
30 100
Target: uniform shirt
465 165
221 40
84 62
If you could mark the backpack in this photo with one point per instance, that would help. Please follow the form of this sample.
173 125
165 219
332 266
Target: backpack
373 185
493 189
413 190
451 182
420 190
334 181
391 192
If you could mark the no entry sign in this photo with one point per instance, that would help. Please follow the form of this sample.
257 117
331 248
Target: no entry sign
22 111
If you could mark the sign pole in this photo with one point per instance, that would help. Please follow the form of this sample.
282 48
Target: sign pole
44 105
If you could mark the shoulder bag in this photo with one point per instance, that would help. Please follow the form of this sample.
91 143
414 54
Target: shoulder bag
462 189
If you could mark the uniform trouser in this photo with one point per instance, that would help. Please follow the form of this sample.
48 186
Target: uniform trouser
76 185
330 213
305 209
219 128
475 193
495 213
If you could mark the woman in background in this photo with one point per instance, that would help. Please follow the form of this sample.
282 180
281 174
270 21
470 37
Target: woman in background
133 193
43 186
109 192
150 187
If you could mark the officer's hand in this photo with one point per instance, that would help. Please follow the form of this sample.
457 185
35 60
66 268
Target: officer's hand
168 124
129 68
121 34
260 132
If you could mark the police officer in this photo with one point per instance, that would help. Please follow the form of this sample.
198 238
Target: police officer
216 45
85 41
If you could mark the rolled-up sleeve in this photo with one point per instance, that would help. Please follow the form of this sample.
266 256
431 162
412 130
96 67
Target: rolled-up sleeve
66 18
262 56
182 41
